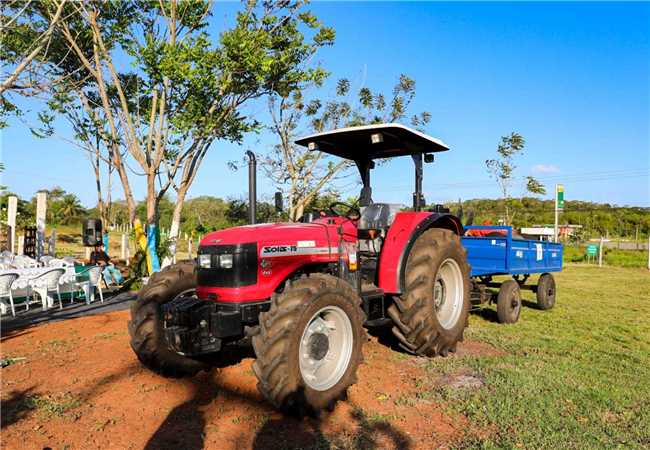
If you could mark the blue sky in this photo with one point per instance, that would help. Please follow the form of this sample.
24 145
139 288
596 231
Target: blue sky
572 78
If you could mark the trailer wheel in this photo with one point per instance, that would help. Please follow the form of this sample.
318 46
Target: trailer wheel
431 316
145 327
309 345
509 302
546 291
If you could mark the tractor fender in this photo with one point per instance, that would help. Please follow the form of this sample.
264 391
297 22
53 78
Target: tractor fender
401 236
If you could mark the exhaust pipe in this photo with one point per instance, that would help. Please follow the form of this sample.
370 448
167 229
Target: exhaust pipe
252 187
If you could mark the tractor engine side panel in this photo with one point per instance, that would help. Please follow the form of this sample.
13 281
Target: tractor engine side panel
400 238
280 250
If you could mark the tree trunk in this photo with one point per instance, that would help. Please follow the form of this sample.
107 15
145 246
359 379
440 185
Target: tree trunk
174 230
151 198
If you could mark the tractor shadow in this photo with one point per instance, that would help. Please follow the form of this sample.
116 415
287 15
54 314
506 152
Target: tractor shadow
485 313
186 425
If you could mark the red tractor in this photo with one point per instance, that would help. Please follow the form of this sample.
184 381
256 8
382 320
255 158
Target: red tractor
304 291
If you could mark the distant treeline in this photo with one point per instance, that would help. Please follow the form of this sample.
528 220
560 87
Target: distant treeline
207 213
597 219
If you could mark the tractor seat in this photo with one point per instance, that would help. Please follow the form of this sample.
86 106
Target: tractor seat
378 216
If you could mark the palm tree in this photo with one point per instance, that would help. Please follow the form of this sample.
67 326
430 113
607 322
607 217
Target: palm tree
68 209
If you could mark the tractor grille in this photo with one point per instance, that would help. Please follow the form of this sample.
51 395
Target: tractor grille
242 273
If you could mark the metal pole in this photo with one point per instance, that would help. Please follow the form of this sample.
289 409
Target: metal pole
600 253
417 195
557 216
252 187
12 209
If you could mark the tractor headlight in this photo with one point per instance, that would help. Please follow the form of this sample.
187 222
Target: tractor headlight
204 261
225 261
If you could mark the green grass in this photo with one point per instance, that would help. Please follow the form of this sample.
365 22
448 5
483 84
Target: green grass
611 256
577 376
54 405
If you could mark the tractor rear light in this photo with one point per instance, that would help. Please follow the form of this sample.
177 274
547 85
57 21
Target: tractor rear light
204 261
225 261
352 261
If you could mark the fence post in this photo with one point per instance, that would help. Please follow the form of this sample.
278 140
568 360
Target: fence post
125 243
21 245
189 248
600 253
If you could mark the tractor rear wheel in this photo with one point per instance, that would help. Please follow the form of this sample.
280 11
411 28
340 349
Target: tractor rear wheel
431 316
509 302
146 325
310 344
546 291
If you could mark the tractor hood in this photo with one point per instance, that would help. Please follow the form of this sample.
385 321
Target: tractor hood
314 234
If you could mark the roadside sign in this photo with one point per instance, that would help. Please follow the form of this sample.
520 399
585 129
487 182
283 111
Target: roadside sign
560 196
592 250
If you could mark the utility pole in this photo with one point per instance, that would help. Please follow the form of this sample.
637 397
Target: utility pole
600 253
559 205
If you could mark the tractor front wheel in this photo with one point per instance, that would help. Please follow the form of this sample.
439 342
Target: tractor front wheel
431 316
309 345
146 324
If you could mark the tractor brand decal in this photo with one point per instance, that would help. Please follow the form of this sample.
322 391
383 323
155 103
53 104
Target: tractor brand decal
303 244
293 250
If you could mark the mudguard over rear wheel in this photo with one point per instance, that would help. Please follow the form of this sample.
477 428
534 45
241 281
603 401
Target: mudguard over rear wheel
146 325
431 316
310 344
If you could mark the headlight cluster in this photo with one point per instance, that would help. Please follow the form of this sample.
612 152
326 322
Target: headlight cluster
224 261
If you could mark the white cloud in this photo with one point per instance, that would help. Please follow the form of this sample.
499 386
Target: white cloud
545 168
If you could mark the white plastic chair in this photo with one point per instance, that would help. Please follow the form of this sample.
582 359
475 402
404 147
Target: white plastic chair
55 262
24 262
94 275
45 260
6 280
45 283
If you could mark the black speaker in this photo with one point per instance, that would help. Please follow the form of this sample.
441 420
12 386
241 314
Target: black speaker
92 232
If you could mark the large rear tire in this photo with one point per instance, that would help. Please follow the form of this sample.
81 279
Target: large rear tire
146 326
431 316
309 345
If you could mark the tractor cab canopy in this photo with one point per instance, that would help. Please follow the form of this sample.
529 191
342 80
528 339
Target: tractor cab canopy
366 143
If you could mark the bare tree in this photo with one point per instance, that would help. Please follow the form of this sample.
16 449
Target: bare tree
502 170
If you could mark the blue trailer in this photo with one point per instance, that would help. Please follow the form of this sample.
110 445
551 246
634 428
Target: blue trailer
492 250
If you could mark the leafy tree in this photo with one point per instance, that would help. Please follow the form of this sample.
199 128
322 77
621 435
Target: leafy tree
304 175
183 91
502 170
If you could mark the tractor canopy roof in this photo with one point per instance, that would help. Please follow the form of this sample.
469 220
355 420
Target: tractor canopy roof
384 140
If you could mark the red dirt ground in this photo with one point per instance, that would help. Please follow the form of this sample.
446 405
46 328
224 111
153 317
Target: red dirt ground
82 387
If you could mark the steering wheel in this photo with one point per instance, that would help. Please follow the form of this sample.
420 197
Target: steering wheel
352 212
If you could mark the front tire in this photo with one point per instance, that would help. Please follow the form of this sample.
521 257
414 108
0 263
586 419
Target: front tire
431 316
309 345
146 326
